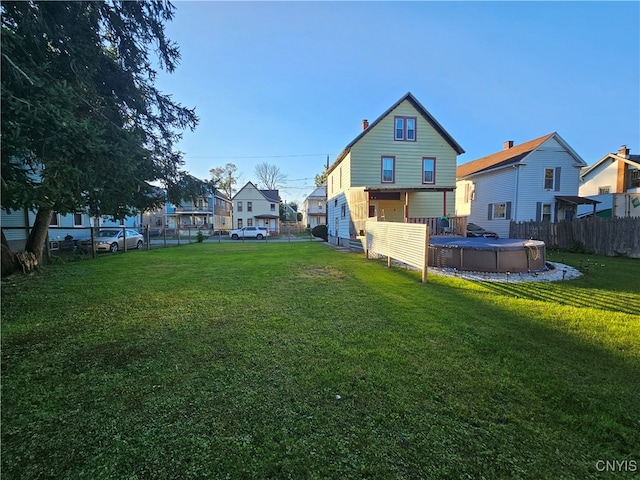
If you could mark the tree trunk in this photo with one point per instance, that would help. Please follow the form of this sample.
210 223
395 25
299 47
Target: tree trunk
38 234
10 263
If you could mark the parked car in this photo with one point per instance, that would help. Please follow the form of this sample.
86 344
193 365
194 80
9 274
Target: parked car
249 232
112 240
474 230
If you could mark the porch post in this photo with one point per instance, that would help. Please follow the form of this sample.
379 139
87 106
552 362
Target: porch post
406 207
444 203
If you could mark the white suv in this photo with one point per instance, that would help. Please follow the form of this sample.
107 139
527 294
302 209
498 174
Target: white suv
249 232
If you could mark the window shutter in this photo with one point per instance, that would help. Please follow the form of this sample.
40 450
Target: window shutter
508 212
490 210
557 179
538 211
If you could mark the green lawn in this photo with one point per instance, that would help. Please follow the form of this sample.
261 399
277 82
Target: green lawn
292 360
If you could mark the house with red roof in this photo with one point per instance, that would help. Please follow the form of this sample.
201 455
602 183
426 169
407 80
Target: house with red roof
537 180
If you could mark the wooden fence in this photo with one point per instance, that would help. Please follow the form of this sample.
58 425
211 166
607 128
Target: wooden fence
601 236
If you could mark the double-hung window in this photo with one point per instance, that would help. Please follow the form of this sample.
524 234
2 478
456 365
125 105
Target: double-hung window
499 210
552 178
428 170
388 169
404 129
249 206
239 206
548 178
78 219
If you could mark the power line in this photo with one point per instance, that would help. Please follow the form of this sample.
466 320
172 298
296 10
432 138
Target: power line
256 156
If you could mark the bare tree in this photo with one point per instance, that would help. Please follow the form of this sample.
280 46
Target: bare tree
225 178
270 176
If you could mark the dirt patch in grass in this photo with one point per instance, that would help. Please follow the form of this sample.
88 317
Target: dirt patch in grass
321 272
111 355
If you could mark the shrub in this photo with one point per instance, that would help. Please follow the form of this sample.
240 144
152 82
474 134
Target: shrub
200 237
320 231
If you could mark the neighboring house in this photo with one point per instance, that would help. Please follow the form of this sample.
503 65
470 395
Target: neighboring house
289 213
259 208
17 224
212 212
314 207
400 168
536 180
614 180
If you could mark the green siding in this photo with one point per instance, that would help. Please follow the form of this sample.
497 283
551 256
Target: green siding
366 154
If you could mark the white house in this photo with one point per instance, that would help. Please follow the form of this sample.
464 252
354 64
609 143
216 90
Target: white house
254 207
314 207
536 180
400 168
614 181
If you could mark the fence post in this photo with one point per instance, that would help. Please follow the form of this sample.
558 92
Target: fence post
147 235
426 254
93 242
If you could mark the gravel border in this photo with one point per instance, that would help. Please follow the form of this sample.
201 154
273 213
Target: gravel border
559 273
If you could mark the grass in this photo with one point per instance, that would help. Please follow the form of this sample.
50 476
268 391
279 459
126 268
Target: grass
293 360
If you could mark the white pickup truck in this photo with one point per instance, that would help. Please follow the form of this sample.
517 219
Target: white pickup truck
249 232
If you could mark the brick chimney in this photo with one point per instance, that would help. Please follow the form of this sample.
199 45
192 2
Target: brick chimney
624 151
508 144
365 124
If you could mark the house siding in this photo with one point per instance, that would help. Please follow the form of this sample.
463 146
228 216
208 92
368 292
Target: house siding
492 188
260 206
605 175
314 208
464 199
366 154
17 237
361 167
339 224
522 185
531 182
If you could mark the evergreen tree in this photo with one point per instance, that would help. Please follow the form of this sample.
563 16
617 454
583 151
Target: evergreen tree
83 126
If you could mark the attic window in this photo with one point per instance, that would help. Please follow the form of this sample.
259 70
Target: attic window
404 129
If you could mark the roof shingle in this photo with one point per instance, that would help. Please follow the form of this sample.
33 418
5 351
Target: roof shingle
501 158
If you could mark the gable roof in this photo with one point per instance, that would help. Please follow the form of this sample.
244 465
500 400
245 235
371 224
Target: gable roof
633 160
511 156
421 110
269 195
319 192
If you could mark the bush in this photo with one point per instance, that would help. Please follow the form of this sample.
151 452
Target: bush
320 231
200 237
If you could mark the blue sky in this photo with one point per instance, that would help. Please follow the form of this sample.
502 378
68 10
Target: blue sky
289 83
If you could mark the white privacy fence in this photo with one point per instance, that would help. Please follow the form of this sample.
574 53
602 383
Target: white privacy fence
405 242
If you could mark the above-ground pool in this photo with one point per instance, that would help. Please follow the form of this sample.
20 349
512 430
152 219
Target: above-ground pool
487 254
